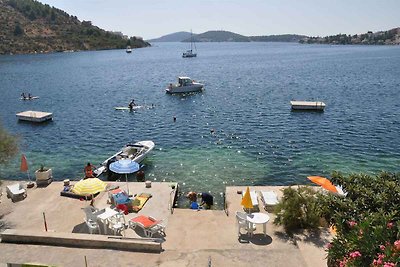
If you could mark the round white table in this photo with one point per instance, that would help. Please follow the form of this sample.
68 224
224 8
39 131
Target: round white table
258 218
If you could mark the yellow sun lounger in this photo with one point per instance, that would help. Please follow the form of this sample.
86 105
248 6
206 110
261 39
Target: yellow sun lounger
139 201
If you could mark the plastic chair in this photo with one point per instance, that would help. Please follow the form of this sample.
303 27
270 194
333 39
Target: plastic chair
117 223
241 219
93 226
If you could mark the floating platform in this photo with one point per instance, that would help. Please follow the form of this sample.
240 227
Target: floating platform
34 116
308 105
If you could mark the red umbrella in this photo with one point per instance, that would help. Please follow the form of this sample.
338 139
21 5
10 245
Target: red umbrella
322 181
24 168
24 164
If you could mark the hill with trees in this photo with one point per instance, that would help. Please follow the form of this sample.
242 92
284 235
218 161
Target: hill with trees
173 37
278 38
218 36
226 36
28 26
390 37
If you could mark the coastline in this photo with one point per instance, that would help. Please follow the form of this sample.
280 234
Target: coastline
193 238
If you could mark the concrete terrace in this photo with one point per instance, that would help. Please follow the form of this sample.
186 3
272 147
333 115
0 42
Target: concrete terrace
193 238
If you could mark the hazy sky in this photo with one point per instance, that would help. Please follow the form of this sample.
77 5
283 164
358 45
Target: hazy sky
154 18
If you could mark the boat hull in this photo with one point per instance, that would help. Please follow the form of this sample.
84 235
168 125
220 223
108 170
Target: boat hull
136 152
195 87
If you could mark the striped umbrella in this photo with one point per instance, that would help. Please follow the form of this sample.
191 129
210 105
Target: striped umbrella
89 186
124 166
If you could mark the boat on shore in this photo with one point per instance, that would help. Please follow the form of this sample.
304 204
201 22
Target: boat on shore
184 85
136 152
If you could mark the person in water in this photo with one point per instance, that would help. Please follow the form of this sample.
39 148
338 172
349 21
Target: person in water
132 104
89 170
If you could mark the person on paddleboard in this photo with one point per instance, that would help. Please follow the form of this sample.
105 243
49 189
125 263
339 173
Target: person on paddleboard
132 104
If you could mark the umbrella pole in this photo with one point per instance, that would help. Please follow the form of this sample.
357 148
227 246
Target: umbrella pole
127 186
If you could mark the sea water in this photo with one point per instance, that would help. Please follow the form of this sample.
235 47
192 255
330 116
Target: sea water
239 131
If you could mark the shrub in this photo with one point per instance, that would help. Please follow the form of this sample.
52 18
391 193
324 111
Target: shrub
297 209
367 220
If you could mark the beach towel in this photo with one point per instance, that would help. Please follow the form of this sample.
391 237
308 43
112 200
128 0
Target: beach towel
139 201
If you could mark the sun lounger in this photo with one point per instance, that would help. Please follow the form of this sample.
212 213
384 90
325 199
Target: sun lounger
148 224
16 192
66 192
269 199
139 201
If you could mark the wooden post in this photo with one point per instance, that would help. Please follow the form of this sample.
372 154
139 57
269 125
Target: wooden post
85 262
45 223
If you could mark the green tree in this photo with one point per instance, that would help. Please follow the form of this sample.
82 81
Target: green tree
18 30
8 145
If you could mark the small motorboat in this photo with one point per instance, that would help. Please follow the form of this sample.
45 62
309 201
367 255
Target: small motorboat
136 152
29 98
128 49
184 85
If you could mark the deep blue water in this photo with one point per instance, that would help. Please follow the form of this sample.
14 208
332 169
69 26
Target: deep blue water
248 87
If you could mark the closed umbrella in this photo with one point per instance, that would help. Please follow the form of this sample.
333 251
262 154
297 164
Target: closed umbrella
124 166
246 200
24 168
324 183
89 186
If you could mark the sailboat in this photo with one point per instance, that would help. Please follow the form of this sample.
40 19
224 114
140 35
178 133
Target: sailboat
190 53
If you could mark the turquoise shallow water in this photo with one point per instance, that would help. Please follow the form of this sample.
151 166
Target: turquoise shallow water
257 140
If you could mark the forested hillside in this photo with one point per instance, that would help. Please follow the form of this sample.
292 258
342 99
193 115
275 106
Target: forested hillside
28 26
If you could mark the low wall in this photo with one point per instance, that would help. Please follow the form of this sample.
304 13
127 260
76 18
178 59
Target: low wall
81 240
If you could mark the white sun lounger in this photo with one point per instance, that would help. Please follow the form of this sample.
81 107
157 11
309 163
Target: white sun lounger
269 199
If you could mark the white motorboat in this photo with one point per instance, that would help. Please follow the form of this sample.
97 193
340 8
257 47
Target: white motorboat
128 49
184 85
136 152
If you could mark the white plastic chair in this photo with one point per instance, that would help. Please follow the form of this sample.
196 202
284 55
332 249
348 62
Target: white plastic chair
92 213
16 192
241 219
93 226
117 223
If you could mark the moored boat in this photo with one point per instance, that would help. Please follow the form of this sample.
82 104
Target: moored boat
308 105
128 49
184 85
136 152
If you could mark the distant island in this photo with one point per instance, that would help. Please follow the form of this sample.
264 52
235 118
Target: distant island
226 36
28 26
390 37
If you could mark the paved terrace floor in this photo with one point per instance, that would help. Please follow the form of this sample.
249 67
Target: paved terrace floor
193 238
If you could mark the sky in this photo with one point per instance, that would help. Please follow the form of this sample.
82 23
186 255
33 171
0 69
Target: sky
154 18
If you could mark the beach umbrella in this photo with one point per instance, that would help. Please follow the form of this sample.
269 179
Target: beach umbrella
246 200
323 182
124 166
24 167
89 186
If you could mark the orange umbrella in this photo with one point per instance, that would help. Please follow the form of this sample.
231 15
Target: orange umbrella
322 181
24 164
246 200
